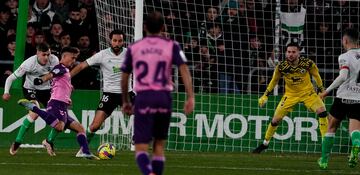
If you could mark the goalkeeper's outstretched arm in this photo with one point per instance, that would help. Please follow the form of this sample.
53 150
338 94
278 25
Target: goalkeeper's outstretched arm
314 71
274 81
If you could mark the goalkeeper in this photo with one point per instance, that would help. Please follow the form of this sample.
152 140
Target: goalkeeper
297 72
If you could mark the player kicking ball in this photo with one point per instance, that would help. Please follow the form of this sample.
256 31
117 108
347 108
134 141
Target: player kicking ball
56 113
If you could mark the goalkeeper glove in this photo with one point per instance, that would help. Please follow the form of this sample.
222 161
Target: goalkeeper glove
262 100
38 81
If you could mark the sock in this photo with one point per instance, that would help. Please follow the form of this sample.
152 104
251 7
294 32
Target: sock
81 138
27 123
49 119
327 145
158 164
142 159
323 126
89 136
270 132
355 138
52 135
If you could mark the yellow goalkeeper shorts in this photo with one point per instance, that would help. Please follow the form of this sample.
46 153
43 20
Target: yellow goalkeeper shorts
311 100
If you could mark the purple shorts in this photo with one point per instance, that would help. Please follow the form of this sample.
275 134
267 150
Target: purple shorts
59 109
152 116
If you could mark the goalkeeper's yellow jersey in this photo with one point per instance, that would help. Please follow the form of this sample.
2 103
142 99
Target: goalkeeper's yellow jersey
297 79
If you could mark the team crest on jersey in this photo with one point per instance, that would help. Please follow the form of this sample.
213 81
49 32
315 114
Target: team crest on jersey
56 71
302 71
33 96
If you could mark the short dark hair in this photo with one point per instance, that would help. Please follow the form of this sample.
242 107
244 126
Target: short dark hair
74 9
64 33
116 32
42 47
352 33
154 22
39 32
70 50
292 44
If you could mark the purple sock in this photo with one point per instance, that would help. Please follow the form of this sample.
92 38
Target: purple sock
158 164
49 119
142 159
81 138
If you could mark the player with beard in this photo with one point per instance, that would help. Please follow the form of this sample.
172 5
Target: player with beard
297 72
110 61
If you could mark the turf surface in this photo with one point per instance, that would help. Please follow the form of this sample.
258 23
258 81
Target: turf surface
36 161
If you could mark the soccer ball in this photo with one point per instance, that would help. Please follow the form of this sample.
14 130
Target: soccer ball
106 151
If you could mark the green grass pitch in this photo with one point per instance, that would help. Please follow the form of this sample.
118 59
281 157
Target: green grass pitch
36 161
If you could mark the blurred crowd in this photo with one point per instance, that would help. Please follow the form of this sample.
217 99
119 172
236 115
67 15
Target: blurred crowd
229 43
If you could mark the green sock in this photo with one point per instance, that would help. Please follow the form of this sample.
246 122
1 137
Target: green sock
89 136
355 138
24 127
52 135
327 145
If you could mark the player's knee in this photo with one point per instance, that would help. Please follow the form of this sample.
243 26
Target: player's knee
94 127
59 128
323 114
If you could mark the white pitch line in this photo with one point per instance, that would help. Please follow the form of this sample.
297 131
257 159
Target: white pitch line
184 166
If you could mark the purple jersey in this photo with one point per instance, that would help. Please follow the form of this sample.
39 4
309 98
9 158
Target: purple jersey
152 58
61 84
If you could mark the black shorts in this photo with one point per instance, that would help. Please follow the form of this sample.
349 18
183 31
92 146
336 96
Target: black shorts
42 96
343 108
109 101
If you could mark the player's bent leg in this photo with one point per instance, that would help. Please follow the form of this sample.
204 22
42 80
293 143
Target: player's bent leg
323 120
81 138
49 146
99 119
271 129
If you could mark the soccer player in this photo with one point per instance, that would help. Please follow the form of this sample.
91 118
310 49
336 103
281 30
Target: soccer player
347 101
297 72
151 59
56 113
34 67
109 60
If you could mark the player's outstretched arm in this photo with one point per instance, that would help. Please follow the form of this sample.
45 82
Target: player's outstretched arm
79 68
9 80
186 77
45 78
274 81
314 71
336 83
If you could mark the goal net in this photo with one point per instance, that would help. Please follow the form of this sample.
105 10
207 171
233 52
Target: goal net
232 47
